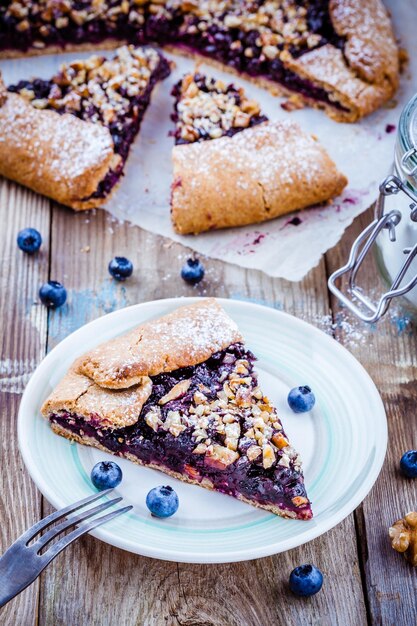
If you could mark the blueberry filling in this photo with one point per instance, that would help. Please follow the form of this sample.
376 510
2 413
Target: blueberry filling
233 37
62 94
281 485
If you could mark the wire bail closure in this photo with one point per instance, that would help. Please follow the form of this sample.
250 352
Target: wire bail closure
354 299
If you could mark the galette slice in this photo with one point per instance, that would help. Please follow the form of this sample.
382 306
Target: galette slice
208 108
180 394
69 137
261 173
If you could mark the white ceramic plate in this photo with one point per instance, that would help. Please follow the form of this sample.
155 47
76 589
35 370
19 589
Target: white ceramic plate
342 443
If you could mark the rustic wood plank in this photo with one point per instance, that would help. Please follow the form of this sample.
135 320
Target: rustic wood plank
92 583
389 353
23 340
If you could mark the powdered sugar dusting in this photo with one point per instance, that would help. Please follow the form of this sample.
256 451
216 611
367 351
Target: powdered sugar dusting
187 336
62 147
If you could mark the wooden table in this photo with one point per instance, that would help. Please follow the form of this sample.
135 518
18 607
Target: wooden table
92 583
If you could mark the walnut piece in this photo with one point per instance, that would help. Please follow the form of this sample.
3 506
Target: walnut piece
176 392
403 535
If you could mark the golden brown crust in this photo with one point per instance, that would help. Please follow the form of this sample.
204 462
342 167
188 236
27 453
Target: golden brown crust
326 68
206 483
256 175
59 156
370 49
187 336
79 395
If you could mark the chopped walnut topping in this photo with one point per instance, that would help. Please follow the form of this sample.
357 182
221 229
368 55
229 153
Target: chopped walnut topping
173 423
220 457
253 452
208 109
177 391
153 418
268 456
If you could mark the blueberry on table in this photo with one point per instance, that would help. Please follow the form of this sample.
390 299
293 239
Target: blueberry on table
29 240
408 464
120 268
106 475
53 294
306 580
192 271
301 399
162 501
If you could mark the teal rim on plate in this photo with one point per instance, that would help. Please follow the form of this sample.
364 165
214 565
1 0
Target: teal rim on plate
342 442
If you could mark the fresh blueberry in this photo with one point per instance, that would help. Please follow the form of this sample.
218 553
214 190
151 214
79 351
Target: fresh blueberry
53 294
162 501
106 475
408 464
306 580
29 240
301 399
192 271
120 268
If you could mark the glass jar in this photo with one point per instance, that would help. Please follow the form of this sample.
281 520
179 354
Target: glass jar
393 231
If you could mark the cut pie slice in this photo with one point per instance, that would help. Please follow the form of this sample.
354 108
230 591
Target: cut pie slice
232 167
180 394
69 137
340 55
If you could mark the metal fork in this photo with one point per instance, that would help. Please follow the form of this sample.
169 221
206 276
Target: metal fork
22 563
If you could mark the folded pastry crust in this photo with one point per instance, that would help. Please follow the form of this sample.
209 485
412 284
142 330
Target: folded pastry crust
59 156
256 175
106 408
187 336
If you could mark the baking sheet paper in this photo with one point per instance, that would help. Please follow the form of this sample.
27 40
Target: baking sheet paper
282 247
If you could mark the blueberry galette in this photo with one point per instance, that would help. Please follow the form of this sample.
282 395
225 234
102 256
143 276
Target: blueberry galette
180 394
69 137
339 55
231 167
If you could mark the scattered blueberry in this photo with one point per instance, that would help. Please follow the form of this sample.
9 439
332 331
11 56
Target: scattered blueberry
120 268
106 475
301 399
192 271
306 580
408 464
53 294
162 501
29 240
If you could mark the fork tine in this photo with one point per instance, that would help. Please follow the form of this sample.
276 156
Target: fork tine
57 547
72 521
47 521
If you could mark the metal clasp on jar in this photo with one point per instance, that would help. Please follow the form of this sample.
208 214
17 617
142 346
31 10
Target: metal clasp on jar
354 299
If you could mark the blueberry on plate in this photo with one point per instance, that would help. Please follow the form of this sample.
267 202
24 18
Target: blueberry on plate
29 240
192 271
306 580
408 464
301 399
120 268
162 501
106 475
53 294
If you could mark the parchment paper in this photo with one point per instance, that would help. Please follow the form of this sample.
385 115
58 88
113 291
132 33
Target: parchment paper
363 151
